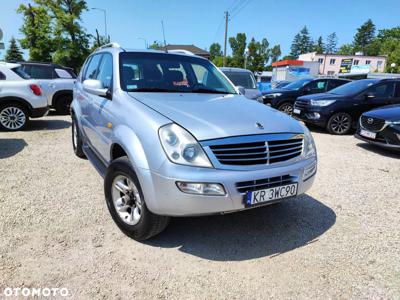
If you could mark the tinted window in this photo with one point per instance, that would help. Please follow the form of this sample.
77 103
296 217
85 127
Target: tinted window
40 72
385 90
244 79
92 68
2 76
397 92
106 71
353 87
317 85
335 83
295 85
159 72
62 73
20 72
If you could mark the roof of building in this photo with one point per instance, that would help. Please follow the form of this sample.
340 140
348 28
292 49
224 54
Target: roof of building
351 55
288 62
191 48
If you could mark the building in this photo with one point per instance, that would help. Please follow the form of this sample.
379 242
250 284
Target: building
336 64
290 70
191 48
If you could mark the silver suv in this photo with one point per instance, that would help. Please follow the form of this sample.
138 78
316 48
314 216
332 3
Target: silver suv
172 137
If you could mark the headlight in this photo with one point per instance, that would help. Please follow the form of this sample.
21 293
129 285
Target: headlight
393 122
321 102
274 95
309 145
181 147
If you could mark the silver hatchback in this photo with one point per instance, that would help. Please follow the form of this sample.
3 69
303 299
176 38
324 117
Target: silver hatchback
172 137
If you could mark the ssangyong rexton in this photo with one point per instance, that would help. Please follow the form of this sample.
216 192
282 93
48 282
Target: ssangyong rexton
172 137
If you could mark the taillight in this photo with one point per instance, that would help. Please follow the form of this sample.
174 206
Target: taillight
36 89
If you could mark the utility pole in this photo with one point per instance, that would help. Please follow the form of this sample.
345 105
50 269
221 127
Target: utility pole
226 36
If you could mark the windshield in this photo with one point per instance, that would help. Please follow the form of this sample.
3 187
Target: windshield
244 79
160 72
295 85
353 87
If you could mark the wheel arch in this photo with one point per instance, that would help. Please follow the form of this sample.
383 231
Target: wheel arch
23 102
60 93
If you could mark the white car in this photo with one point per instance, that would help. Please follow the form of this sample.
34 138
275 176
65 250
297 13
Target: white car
20 98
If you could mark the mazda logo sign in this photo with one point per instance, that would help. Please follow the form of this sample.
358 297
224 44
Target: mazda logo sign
370 120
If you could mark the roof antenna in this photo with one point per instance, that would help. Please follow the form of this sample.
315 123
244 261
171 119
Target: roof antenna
165 43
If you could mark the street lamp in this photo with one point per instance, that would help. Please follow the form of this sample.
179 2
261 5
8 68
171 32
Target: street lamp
105 19
393 65
246 55
145 42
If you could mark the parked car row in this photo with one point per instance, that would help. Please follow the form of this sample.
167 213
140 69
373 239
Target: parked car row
29 90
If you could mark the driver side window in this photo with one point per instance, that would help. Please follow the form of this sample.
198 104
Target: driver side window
385 90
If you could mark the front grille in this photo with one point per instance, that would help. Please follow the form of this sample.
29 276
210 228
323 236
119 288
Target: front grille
259 152
301 104
372 124
259 184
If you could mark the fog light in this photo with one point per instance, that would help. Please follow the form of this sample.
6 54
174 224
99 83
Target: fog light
211 189
309 171
313 116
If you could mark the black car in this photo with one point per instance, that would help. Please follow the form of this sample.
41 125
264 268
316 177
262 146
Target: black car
284 98
381 127
338 110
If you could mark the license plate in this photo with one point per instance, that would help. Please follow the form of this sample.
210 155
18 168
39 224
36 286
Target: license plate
296 111
368 134
271 194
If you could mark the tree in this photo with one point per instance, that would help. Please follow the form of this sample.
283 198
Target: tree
302 43
238 46
346 49
364 36
71 40
258 55
331 43
157 45
319 46
275 53
215 50
13 52
37 32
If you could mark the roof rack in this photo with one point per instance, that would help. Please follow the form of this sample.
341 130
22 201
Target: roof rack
110 45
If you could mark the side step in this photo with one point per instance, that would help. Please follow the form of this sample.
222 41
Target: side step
96 162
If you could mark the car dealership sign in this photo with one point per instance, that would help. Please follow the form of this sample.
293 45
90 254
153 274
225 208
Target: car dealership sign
1 40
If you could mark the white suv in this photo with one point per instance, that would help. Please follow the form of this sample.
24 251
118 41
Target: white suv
20 98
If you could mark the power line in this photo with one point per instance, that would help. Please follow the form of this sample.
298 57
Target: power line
218 30
245 3
234 6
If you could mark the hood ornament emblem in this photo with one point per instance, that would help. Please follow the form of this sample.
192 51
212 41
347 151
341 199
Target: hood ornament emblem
259 125
370 121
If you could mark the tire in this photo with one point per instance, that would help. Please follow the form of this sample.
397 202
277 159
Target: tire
63 104
13 117
340 124
286 107
133 217
77 140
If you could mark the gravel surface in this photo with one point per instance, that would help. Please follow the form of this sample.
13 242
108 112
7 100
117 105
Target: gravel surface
341 240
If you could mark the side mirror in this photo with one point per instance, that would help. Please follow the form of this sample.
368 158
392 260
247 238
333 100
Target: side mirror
241 90
369 96
95 87
306 90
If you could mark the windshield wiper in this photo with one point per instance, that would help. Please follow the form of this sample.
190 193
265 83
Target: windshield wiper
209 91
153 90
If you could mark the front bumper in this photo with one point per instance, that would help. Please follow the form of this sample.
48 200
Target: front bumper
387 138
307 115
164 198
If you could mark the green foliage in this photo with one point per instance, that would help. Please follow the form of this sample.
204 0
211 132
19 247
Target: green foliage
156 45
346 49
302 43
331 43
238 46
37 32
13 53
258 55
364 37
215 50
319 46
275 53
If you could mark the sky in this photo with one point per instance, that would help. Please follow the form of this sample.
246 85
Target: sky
202 22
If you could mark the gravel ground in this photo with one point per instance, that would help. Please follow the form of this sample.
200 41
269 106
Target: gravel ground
341 240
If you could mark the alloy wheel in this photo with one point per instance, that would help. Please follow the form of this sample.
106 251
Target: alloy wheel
12 118
127 200
287 109
340 124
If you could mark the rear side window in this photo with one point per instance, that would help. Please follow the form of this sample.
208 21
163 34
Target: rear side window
335 83
92 68
382 90
62 74
2 76
40 72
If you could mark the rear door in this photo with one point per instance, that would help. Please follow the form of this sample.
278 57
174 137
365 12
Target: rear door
45 76
383 94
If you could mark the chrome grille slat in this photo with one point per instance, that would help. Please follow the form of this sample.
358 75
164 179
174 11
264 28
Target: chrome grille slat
259 151
375 126
258 184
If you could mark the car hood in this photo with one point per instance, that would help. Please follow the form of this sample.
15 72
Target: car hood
211 116
322 96
252 93
388 113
